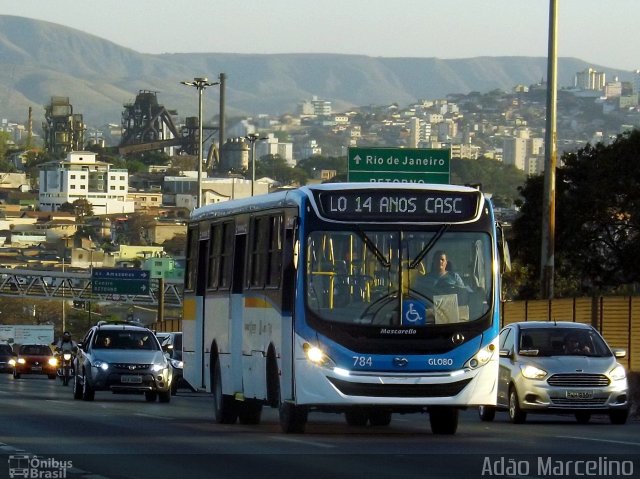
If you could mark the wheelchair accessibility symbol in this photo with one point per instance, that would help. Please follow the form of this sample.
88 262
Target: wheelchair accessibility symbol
414 313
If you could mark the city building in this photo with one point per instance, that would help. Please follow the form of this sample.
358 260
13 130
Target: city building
590 79
80 176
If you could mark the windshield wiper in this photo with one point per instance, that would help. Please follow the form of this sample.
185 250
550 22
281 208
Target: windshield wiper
373 248
432 242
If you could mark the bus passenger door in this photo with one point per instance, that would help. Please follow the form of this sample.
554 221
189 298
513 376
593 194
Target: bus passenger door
290 268
236 314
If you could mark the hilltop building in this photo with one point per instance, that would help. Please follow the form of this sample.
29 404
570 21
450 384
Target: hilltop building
80 176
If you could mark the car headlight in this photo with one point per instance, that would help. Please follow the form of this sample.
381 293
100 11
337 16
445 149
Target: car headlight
176 363
101 365
12 362
52 362
21 361
156 368
618 373
532 372
482 357
317 356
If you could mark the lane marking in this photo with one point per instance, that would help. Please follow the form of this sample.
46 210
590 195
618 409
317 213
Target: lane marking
302 441
627 443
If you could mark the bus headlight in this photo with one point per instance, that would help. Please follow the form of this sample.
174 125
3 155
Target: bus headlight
316 355
482 357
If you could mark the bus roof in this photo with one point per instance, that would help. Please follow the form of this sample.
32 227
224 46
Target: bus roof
293 197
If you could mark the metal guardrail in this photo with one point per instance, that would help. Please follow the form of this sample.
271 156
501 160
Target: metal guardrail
77 286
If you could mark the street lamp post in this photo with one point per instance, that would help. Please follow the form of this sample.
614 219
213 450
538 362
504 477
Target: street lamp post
252 138
201 83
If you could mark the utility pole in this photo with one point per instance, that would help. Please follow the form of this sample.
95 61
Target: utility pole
550 157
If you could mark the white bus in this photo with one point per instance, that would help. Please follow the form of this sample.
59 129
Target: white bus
323 298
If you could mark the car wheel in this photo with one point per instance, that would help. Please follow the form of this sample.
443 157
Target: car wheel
487 413
164 396
16 375
225 407
88 393
516 414
618 416
379 417
77 390
583 417
356 417
174 388
150 396
443 419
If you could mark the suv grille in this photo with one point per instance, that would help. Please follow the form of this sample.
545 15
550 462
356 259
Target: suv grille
131 367
578 380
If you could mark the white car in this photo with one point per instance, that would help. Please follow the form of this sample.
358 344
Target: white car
559 367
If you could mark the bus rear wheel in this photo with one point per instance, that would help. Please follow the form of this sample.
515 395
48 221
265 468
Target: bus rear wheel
224 406
443 419
293 419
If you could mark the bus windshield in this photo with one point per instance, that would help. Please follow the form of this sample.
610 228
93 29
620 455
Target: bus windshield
398 278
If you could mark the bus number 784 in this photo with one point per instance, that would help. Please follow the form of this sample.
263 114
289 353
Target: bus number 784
362 361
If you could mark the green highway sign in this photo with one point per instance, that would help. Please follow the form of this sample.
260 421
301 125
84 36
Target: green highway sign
120 281
118 286
399 165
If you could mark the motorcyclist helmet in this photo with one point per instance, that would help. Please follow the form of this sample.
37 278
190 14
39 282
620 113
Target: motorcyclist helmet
66 336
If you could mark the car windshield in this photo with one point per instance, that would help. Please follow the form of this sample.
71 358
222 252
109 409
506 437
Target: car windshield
562 342
398 278
35 350
5 349
126 339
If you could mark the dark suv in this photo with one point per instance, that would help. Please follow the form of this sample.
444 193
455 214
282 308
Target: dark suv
121 358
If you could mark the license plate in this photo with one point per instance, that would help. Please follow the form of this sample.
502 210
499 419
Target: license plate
579 394
36 368
131 379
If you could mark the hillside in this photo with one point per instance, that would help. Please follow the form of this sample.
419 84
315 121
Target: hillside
40 59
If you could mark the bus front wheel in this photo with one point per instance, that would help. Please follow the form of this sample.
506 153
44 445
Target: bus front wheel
293 419
443 419
225 409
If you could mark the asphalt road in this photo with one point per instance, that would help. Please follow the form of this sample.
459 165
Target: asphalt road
122 436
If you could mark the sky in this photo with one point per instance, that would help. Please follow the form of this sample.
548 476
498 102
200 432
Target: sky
601 32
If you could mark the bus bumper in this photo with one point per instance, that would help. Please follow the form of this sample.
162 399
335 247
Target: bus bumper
316 385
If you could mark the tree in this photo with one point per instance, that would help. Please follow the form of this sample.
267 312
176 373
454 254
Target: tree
82 208
597 247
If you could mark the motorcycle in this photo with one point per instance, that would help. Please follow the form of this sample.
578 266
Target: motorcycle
65 366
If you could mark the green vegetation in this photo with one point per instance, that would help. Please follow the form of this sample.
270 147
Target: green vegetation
597 247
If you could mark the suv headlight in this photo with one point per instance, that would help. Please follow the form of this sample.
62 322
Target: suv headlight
101 365
618 373
156 368
531 372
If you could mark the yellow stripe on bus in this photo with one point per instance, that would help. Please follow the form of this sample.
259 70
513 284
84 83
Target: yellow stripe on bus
189 309
256 303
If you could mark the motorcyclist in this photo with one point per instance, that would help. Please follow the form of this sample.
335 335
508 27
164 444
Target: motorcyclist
65 344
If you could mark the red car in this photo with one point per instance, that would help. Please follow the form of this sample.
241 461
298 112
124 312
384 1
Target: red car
35 359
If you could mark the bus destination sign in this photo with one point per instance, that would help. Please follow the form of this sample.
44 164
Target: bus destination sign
408 205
